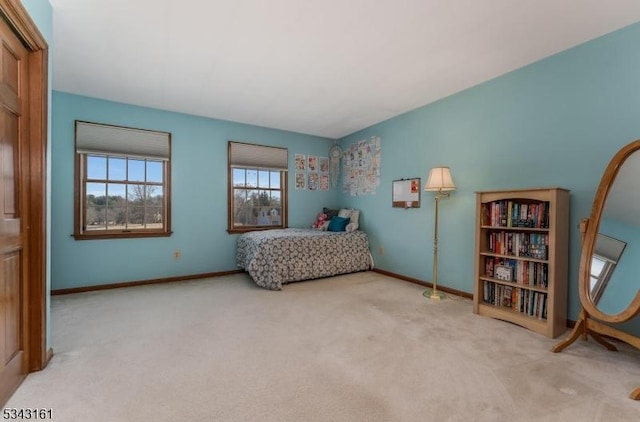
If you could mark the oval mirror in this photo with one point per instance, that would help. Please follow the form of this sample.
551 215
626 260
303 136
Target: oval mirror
609 280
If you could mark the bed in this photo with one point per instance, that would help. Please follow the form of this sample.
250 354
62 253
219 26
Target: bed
276 257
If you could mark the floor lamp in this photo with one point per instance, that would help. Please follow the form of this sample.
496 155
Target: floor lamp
440 182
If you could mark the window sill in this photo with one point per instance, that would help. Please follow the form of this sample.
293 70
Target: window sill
119 235
252 229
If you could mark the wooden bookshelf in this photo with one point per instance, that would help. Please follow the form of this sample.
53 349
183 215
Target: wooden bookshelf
521 271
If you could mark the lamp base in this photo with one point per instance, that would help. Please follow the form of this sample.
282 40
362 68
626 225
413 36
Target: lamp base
434 295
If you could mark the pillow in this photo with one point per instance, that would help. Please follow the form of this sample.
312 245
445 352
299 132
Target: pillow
330 213
338 224
321 222
344 212
353 216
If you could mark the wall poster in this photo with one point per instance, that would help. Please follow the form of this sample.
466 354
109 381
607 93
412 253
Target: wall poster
312 172
361 164
301 181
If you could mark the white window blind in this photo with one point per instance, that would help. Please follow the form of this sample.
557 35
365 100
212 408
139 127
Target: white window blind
95 138
257 156
609 248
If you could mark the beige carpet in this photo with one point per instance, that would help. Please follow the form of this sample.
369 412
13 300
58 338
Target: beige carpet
360 347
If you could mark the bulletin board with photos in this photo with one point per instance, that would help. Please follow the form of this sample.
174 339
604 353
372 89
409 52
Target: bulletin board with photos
406 193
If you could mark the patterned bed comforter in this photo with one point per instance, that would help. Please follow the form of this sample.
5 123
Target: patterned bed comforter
276 257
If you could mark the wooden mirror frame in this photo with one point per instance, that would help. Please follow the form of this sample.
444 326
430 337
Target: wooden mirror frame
593 322
589 241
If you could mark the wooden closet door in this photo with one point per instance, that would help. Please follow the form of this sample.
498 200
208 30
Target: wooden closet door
13 288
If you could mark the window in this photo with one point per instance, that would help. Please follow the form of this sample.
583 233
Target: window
601 269
257 187
122 182
603 261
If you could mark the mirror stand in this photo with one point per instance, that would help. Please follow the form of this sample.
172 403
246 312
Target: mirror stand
597 320
587 326
583 328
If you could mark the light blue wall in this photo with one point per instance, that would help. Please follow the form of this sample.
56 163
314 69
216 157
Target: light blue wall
42 15
199 195
556 122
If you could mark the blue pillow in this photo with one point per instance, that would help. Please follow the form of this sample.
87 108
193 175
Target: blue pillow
338 224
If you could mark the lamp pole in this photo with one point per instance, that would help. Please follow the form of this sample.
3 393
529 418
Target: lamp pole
434 293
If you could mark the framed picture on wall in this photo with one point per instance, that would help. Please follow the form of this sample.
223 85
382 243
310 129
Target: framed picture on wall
301 162
312 163
323 162
301 181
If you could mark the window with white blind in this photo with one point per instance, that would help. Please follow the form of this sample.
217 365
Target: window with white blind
257 187
605 257
122 182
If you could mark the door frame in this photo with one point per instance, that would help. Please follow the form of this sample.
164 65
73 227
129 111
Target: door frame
34 191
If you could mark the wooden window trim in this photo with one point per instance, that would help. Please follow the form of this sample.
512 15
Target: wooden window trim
285 213
79 210
284 176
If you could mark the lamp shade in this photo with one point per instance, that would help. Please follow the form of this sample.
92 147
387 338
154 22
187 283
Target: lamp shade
440 180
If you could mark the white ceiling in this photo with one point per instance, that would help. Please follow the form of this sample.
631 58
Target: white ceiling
326 68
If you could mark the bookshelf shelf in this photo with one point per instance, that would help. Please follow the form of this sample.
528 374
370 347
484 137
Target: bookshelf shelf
521 257
508 314
512 284
519 229
517 258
